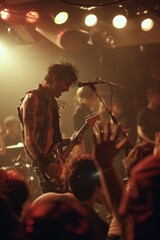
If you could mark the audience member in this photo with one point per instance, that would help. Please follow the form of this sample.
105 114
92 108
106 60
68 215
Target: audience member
83 181
139 152
148 118
140 202
53 196
59 220
13 196
15 189
104 156
9 224
13 133
86 99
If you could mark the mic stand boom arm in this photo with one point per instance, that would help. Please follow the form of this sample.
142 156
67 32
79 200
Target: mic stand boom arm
129 144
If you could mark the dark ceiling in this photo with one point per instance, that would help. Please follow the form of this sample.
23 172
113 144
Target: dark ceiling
74 32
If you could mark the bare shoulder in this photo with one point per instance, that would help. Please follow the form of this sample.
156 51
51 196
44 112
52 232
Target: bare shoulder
52 197
30 98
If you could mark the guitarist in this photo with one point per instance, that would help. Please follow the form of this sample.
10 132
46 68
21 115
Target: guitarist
86 99
39 115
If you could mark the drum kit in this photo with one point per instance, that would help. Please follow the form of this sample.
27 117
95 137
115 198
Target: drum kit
19 160
16 159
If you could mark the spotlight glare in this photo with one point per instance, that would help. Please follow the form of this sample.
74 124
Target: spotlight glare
5 14
2 50
61 18
90 20
119 21
147 24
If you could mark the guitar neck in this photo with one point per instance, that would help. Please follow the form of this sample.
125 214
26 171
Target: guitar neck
72 144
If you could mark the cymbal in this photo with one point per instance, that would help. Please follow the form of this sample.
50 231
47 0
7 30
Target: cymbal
7 168
19 145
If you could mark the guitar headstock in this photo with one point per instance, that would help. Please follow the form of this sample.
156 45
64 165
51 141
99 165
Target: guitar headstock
92 119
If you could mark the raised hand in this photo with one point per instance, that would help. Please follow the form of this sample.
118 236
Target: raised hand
106 147
106 144
157 144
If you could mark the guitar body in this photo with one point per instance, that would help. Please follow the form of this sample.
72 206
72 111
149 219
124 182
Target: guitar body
53 172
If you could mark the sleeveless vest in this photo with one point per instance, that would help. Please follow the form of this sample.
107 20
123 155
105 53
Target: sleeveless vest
43 119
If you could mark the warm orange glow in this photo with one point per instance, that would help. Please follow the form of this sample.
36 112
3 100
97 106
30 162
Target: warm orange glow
32 16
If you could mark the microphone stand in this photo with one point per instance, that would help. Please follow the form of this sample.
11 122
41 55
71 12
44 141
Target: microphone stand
129 143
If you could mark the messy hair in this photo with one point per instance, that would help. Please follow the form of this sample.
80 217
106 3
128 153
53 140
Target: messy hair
63 70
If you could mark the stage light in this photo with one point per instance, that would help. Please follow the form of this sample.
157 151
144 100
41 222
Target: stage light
32 16
5 14
147 24
120 16
90 20
60 18
119 21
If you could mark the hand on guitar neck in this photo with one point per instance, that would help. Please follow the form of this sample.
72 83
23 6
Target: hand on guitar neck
52 172
77 139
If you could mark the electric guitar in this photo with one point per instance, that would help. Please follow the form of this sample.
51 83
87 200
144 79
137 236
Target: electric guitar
52 173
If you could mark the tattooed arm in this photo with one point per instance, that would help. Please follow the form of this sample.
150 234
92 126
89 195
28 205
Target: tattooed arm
2 143
28 109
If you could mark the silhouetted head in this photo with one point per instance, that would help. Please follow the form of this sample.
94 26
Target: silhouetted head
138 153
57 220
82 177
15 188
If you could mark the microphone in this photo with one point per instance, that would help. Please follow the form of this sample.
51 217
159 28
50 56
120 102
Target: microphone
83 84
